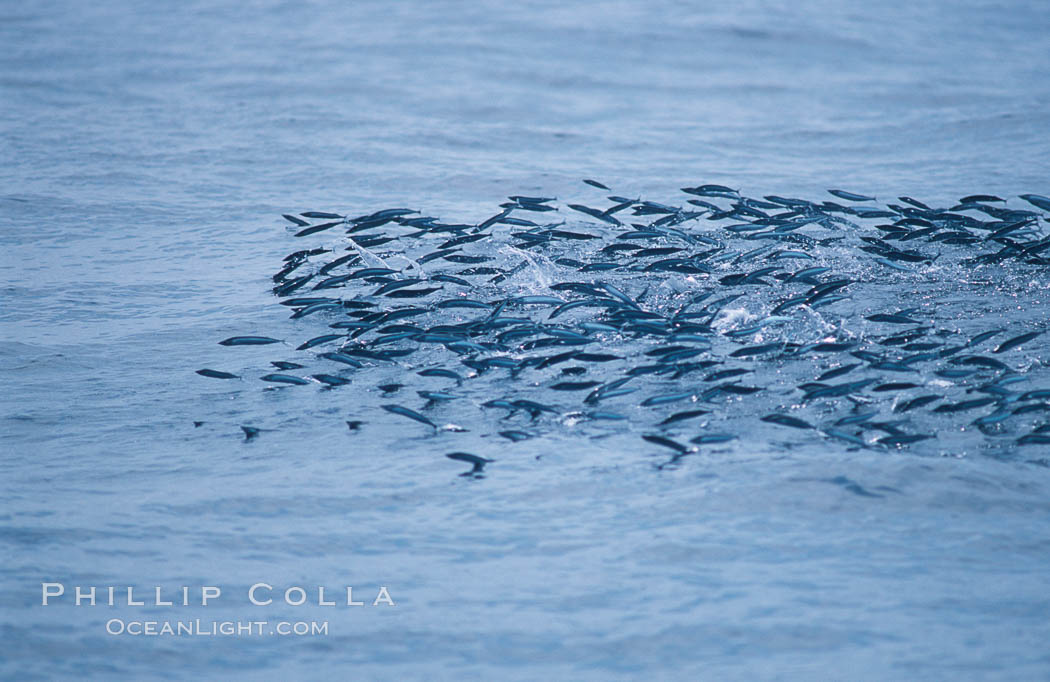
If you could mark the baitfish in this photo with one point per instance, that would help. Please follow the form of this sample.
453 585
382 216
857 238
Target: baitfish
296 221
440 372
1037 201
838 371
849 196
478 463
682 416
216 374
413 293
964 405
787 420
285 379
411 414
316 228
574 385
916 402
892 318
902 439
339 357
248 341
322 215
665 399
748 351
515 436
331 380
1016 341
666 442
318 340
712 438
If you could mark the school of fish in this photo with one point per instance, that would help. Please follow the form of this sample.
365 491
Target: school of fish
688 324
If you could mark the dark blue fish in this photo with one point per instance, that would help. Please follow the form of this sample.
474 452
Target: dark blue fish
315 308
787 420
1037 200
318 340
762 349
340 357
411 414
842 435
331 380
594 213
1016 341
964 405
285 379
441 372
712 438
441 277
896 386
892 318
395 285
216 374
574 385
478 463
666 442
980 361
656 400
682 416
317 228
413 293
850 196
838 371
916 402
433 397
248 341
371 272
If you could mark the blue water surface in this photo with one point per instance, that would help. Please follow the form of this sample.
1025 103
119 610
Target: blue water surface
147 154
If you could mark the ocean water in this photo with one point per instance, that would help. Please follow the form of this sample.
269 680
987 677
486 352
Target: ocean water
148 153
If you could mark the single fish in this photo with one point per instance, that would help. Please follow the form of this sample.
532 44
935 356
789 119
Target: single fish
787 420
666 442
285 379
682 416
248 341
216 374
849 196
478 463
331 380
322 215
319 340
1016 341
411 414
515 436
